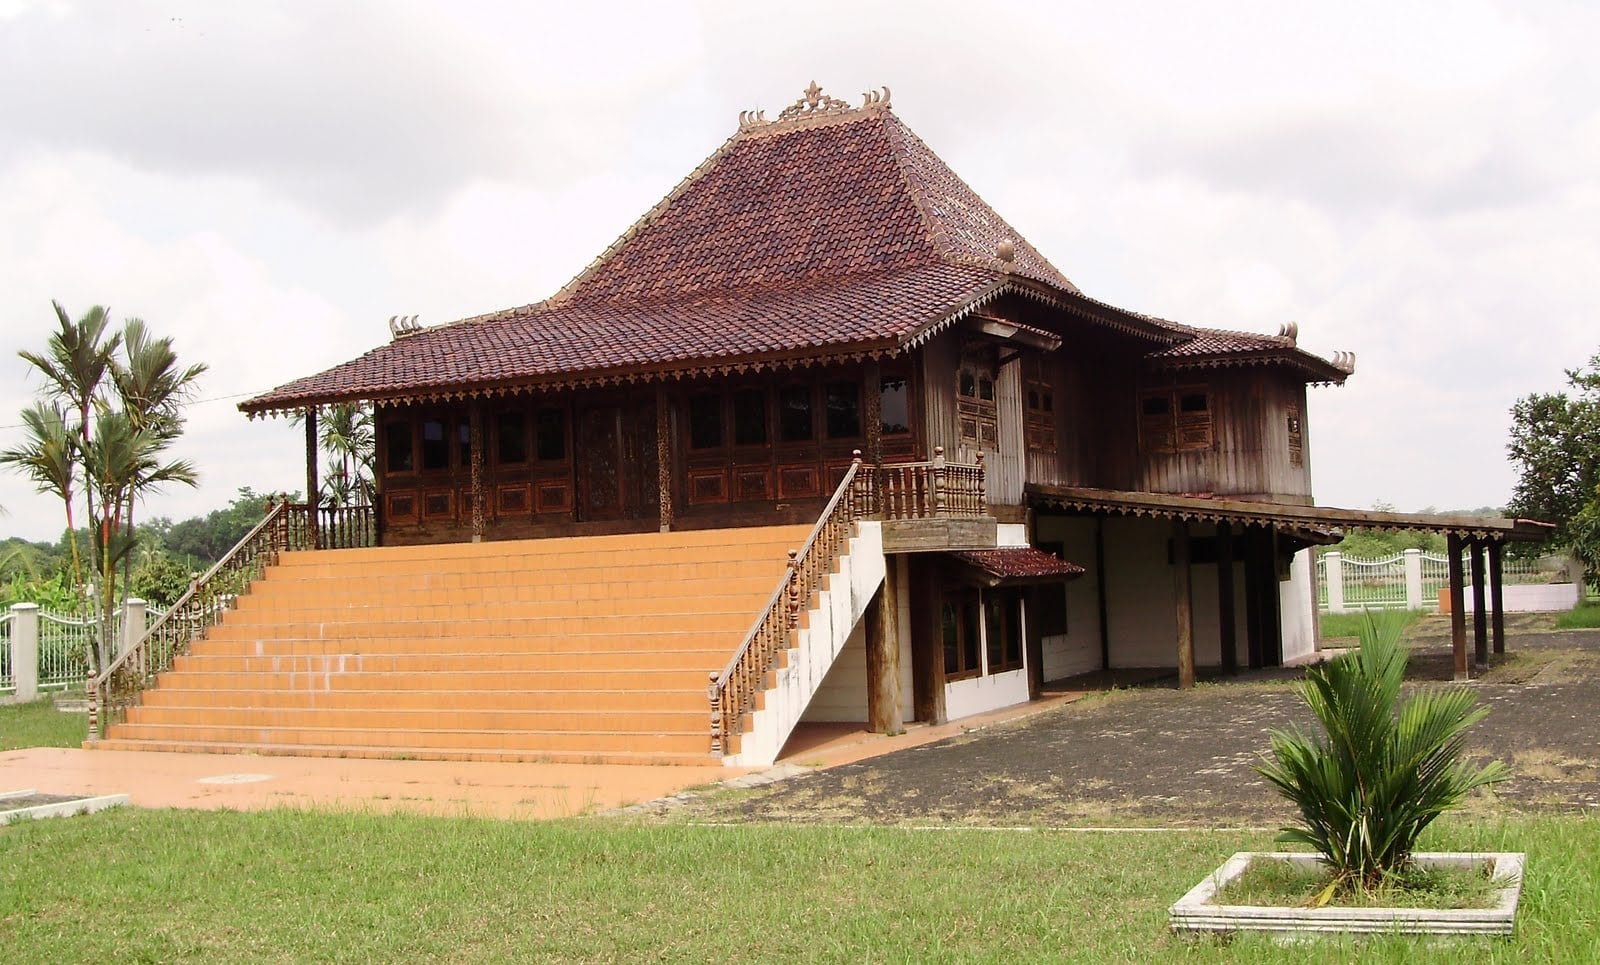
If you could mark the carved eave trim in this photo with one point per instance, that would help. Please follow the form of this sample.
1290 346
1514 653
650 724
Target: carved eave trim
1320 371
679 372
1312 518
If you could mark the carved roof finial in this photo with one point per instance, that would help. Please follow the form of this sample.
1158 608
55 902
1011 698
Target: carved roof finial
814 107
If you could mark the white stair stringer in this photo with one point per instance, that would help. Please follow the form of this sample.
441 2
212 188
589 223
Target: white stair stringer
838 608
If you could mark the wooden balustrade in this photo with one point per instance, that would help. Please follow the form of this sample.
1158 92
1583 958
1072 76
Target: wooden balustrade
912 490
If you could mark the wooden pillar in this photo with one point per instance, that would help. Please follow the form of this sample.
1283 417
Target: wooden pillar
1100 590
1226 623
1497 604
313 497
475 443
664 456
1480 608
1252 598
883 654
1184 603
1458 609
927 643
1033 641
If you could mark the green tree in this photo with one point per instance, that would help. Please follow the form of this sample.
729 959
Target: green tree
46 458
75 361
346 436
1555 444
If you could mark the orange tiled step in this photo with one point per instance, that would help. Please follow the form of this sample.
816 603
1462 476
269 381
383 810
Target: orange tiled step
681 699
592 648
533 742
640 758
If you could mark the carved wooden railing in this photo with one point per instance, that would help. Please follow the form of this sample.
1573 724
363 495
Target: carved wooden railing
331 527
733 691
927 490
911 490
285 527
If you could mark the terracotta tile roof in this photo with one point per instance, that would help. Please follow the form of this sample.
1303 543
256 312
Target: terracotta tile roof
1211 347
542 342
1019 563
826 233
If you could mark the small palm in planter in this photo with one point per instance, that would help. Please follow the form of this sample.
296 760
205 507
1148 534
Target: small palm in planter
1382 771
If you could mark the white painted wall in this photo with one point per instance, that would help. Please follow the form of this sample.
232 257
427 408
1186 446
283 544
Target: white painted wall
1011 534
1530 597
1078 650
978 695
843 693
828 629
1297 609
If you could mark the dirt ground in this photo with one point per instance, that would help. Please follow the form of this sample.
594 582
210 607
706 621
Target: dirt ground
1155 756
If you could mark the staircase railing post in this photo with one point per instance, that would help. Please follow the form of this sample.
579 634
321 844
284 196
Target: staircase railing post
713 691
794 589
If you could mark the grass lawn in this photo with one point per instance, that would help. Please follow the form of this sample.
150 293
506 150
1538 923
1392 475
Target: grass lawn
131 885
1584 616
1349 624
39 724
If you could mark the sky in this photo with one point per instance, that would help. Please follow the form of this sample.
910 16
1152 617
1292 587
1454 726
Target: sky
269 182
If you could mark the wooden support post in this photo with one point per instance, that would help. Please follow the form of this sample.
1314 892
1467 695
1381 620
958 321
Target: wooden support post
1184 603
475 443
664 456
1227 628
1100 590
313 498
1497 603
1458 609
883 654
1480 608
927 644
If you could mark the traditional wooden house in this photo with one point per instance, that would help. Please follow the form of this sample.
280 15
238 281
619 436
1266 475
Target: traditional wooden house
820 341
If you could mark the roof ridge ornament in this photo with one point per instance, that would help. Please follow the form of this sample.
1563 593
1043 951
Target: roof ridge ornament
814 105
402 325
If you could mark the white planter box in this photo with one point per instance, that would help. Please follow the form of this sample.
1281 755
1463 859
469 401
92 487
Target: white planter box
1199 911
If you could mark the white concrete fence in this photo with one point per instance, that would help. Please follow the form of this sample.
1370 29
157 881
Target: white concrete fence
1413 579
43 651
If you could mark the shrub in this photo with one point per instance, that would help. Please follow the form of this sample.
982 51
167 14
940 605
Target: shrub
1378 775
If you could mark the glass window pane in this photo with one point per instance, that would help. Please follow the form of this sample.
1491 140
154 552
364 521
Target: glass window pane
750 417
511 439
1013 646
464 443
986 389
844 410
971 635
895 407
435 448
1193 402
1155 405
550 431
968 385
705 422
397 446
794 413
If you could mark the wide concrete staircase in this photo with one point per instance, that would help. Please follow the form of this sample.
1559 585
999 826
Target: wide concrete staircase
583 649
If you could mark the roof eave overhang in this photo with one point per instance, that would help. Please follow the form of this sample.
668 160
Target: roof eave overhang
1309 519
1316 371
675 370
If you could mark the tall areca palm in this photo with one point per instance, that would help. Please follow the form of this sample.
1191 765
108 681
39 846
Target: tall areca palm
124 463
46 457
76 360
347 436
153 386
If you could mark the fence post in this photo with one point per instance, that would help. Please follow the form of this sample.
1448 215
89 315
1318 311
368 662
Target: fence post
25 650
132 624
1334 564
1413 579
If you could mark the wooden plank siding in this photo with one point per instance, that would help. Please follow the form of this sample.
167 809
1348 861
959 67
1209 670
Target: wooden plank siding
1249 455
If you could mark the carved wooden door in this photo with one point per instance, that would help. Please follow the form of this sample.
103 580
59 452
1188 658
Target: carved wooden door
600 463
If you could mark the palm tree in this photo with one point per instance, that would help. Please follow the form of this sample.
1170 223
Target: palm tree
124 463
347 436
153 387
46 457
76 359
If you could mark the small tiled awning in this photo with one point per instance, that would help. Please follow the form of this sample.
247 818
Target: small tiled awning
1015 565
